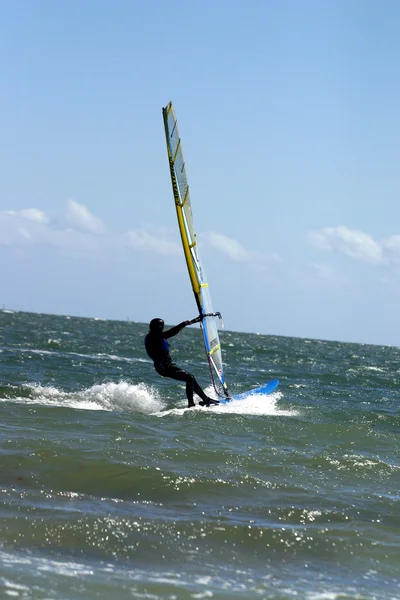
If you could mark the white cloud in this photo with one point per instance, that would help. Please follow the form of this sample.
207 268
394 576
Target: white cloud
327 273
33 227
157 241
32 214
351 242
236 252
391 247
24 233
74 232
79 217
21 227
227 245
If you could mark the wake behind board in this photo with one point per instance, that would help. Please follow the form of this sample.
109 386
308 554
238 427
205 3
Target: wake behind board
266 388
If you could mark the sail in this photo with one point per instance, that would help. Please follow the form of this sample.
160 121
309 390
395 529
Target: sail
197 276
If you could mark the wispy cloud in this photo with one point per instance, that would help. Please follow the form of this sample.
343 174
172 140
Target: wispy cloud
79 217
31 214
21 227
227 245
158 241
75 231
391 248
327 273
234 250
354 243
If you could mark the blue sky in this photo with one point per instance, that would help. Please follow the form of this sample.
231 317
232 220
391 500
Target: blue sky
290 122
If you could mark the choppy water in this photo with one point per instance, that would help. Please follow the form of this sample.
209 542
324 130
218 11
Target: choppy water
111 488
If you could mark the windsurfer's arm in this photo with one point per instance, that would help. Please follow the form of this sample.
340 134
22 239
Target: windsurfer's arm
196 320
175 330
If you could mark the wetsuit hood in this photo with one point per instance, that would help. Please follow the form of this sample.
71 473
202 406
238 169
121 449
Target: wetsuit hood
156 325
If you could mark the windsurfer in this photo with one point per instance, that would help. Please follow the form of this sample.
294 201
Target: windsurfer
157 348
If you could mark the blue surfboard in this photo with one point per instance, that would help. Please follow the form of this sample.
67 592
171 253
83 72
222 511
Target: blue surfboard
266 388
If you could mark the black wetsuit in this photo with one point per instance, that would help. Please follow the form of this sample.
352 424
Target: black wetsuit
157 348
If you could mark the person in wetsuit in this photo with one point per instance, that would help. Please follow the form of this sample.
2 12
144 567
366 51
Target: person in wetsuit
157 348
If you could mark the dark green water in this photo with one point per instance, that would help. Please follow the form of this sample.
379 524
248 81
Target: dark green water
111 488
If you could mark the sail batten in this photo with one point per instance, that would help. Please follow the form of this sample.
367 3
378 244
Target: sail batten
197 276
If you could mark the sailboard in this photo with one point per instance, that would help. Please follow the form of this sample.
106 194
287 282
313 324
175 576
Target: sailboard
198 279
261 390
197 275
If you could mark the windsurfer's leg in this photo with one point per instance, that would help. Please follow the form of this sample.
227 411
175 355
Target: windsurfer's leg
174 372
189 390
197 389
206 401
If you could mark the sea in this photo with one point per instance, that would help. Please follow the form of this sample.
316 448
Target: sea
111 488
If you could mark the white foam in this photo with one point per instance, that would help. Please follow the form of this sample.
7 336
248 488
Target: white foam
146 399
110 396
256 404
125 396
325 595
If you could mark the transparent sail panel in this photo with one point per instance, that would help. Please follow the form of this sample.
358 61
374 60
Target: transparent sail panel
210 332
180 175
